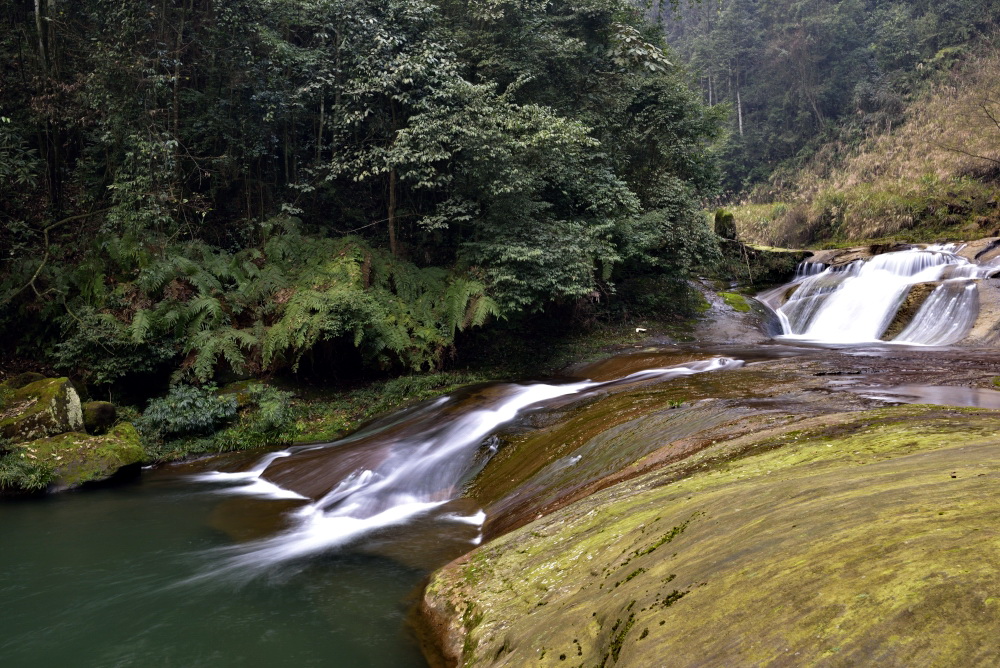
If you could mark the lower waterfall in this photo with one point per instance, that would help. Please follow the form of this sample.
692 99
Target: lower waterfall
412 469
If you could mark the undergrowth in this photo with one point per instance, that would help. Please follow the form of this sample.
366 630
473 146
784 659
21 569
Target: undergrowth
19 473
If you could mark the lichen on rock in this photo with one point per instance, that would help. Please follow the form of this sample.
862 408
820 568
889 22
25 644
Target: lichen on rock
867 534
41 408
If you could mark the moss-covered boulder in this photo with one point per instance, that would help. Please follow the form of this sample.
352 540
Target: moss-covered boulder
99 416
74 458
846 539
725 224
18 381
41 408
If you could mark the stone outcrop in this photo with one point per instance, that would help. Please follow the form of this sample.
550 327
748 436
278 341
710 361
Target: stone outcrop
40 408
914 299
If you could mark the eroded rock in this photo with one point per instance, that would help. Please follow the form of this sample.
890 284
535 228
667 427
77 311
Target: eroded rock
852 536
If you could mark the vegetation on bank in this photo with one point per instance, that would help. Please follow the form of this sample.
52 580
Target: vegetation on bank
332 187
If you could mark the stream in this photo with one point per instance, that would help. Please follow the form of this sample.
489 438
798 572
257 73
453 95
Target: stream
314 555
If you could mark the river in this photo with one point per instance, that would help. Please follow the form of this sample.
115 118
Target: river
314 555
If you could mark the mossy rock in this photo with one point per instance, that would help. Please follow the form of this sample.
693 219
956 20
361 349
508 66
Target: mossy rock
41 408
18 381
99 416
725 224
867 534
239 389
735 301
76 458
907 311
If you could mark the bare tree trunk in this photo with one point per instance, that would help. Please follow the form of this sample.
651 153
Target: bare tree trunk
53 55
739 109
319 131
40 29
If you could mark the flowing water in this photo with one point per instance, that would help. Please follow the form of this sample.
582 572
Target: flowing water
306 556
855 303
311 556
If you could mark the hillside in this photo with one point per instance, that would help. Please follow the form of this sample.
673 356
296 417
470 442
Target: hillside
799 75
935 176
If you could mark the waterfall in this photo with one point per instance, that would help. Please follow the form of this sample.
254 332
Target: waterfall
855 303
417 468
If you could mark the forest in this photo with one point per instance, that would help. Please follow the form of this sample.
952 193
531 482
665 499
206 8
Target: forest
191 187
808 77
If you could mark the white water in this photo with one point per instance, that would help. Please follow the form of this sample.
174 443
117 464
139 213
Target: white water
422 472
855 303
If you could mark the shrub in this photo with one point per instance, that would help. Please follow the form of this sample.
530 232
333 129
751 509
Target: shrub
186 411
266 419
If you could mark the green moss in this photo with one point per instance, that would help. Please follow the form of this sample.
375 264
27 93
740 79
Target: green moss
836 523
18 381
735 301
99 416
75 458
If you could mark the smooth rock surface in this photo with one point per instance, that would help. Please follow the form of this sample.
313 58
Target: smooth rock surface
862 538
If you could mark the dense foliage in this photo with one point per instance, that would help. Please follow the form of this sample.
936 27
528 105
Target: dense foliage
197 187
801 74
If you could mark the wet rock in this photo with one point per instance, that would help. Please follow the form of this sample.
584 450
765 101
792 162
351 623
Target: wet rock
41 408
99 416
914 299
867 534
986 330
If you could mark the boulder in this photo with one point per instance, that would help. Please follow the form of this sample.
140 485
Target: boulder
41 408
99 416
75 458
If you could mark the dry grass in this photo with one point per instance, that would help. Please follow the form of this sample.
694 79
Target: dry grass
935 176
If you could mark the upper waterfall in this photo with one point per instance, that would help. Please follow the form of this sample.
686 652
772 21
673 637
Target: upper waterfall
856 302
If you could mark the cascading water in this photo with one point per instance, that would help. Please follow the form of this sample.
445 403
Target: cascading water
407 473
855 303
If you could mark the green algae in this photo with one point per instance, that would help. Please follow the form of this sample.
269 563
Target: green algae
852 537
735 301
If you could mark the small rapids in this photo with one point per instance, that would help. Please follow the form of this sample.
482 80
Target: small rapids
390 475
857 302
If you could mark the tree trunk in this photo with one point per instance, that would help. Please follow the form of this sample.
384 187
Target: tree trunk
739 109
392 213
40 29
